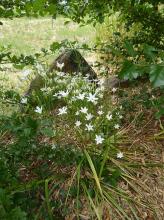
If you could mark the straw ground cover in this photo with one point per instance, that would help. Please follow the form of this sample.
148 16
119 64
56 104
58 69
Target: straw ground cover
77 151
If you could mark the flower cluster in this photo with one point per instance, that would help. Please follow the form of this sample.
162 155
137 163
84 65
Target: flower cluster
83 106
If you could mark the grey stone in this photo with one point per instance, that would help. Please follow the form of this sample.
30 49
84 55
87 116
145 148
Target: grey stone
73 63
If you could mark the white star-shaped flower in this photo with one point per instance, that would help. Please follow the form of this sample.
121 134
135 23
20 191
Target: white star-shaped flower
109 117
92 97
89 116
63 110
39 109
63 2
120 116
116 126
99 139
84 110
81 96
89 127
60 65
77 113
61 74
120 155
100 112
54 146
64 93
77 123
24 101
114 90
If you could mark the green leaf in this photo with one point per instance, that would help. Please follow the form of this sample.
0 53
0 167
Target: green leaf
130 71
48 132
17 214
55 46
157 75
149 51
93 171
129 46
38 5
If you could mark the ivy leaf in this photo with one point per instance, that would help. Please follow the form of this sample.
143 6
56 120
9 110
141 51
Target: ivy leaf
130 71
157 75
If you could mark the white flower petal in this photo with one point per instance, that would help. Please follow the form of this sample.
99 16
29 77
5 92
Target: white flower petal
99 139
120 155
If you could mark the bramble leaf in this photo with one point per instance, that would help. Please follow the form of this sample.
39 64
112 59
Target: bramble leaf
130 71
157 75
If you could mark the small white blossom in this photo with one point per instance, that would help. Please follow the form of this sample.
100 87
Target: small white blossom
109 117
61 74
60 65
101 82
84 110
77 113
77 123
117 126
63 110
120 155
73 99
54 146
81 96
92 98
46 89
114 90
43 89
100 112
63 2
120 107
55 95
39 110
99 139
39 66
24 101
89 116
63 93
89 127
101 95
120 116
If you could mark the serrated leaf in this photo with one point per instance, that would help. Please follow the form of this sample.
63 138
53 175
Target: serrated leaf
157 75
130 71
48 132
149 51
129 47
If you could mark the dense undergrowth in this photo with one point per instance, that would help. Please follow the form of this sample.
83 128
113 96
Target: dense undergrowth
60 150
75 149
